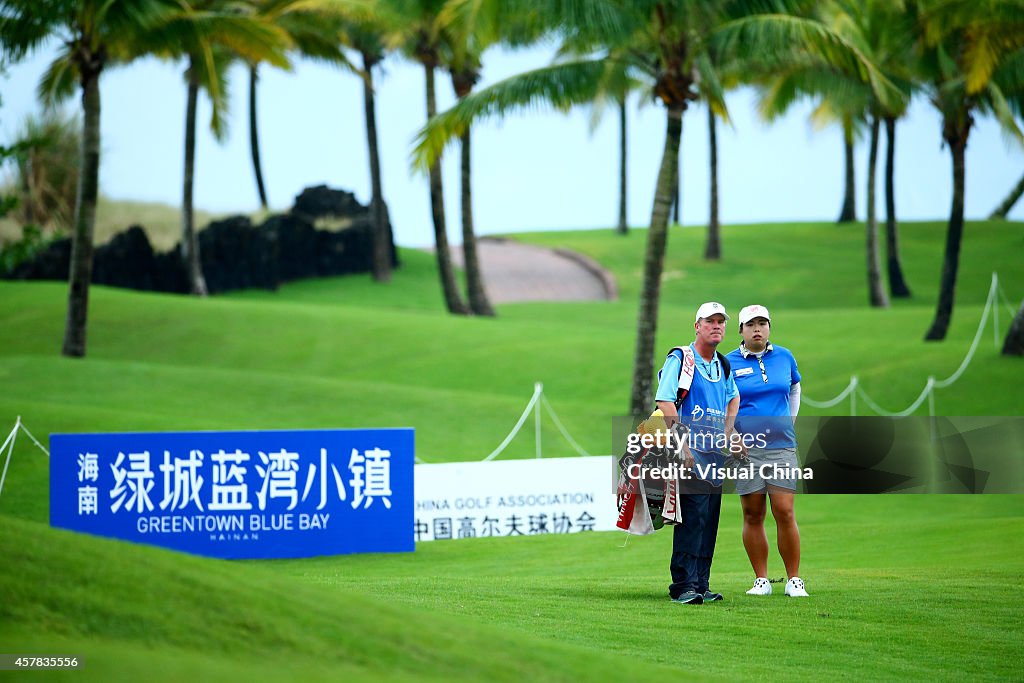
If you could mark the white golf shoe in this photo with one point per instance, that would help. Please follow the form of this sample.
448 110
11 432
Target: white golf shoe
795 588
761 587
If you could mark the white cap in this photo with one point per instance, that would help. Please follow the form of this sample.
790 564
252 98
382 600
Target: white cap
709 309
748 313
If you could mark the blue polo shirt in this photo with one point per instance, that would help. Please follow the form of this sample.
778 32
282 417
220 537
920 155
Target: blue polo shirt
762 400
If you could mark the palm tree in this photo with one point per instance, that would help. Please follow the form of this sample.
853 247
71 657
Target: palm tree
254 138
622 227
468 29
220 31
46 170
845 101
715 78
616 86
419 37
713 247
367 34
877 28
464 77
467 32
889 32
661 41
312 27
372 53
848 211
677 186
972 60
319 29
189 237
898 286
876 290
93 35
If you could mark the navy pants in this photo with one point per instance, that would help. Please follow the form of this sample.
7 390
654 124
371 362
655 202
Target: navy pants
693 541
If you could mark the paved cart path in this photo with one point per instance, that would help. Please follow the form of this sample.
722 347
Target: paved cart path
514 271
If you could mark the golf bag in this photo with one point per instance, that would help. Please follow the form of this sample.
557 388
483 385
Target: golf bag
645 503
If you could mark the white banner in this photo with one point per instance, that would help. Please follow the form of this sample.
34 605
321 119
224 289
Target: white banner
514 498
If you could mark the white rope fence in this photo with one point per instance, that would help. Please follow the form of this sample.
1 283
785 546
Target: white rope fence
9 447
536 402
853 389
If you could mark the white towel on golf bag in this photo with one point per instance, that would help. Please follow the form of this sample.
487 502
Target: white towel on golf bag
672 509
635 512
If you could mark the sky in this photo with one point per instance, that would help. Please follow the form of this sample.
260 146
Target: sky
534 170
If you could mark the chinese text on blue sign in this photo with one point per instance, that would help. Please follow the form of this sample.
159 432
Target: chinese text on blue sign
239 494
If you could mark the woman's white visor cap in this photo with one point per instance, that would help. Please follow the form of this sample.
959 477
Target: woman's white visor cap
748 313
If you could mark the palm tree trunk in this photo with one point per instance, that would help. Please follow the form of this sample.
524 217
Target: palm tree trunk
381 235
848 213
654 261
80 274
1011 199
713 250
623 228
254 138
876 291
956 138
453 300
478 302
189 239
897 283
1014 344
677 193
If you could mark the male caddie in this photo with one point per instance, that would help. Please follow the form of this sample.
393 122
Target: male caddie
696 388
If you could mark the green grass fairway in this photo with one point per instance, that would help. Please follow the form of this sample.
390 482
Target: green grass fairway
903 586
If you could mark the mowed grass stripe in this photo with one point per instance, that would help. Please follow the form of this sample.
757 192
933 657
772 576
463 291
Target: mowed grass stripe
246 616
901 586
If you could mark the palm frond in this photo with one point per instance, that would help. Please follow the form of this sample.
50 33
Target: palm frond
25 26
787 87
316 37
351 10
986 49
1009 77
560 86
597 23
769 40
251 38
997 103
209 66
711 87
59 81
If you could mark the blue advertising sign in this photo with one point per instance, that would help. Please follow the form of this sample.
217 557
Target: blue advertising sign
239 495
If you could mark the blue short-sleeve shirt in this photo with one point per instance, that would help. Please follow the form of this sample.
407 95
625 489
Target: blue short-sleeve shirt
764 396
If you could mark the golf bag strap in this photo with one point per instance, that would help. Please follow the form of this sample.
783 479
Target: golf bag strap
686 370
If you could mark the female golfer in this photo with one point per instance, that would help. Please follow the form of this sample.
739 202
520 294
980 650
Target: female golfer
769 385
